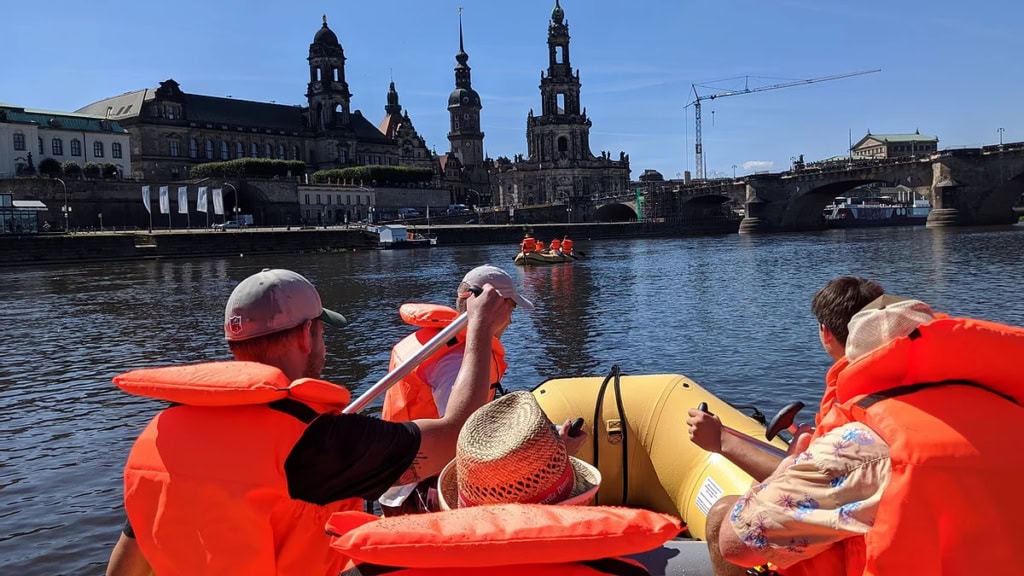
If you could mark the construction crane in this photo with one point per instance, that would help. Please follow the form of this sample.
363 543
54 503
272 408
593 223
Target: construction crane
747 90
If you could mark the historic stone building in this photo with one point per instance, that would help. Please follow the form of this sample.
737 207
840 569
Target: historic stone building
559 166
172 130
464 167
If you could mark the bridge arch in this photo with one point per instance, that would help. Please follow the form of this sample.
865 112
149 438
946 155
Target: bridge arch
806 212
618 212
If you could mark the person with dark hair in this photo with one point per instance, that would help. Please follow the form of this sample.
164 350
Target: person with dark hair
240 473
909 470
833 306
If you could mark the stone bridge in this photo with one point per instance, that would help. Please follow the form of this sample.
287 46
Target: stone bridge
966 187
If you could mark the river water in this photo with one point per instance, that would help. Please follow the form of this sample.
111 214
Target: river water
733 312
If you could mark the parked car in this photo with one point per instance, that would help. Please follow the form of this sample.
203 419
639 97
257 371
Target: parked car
457 209
408 213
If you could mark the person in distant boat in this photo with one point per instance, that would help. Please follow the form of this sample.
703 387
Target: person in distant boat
833 306
540 246
425 392
556 246
240 474
567 246
529 244
911 469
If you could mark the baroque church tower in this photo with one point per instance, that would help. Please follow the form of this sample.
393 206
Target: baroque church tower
559 167
327 92
465 136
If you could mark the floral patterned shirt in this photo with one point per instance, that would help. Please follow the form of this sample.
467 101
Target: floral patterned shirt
826 494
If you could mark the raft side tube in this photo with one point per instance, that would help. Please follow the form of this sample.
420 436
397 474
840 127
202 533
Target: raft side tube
664 471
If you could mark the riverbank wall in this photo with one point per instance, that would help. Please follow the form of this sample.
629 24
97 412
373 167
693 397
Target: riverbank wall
42 249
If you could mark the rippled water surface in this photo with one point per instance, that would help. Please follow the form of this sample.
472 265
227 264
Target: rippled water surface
732 312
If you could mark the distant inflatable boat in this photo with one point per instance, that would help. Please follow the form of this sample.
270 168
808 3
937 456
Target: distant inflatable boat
539 258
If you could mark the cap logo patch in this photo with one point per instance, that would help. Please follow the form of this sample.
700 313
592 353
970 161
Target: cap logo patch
235 324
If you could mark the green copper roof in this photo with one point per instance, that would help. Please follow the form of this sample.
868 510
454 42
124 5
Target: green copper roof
60 120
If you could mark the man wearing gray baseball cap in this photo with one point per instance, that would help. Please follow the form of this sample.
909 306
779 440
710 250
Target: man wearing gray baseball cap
239 475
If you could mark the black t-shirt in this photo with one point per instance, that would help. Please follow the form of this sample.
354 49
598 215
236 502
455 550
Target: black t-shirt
342 456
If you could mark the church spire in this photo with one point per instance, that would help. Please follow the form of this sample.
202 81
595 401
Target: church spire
393 107
462 69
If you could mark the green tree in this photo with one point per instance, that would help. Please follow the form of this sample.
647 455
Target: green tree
72 169
50 167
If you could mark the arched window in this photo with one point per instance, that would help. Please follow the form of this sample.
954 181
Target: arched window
268 150
295 152
254 150
239 150
19 140
225 151
193 148
209 149
41 149
76 147
280 151
97 149
115 150
563 144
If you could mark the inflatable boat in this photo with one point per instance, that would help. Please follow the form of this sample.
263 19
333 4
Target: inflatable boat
539 258
639 441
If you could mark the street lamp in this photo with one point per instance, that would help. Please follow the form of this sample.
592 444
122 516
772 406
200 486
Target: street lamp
733 171
100 214
1001 130
65 209
568 214
236 209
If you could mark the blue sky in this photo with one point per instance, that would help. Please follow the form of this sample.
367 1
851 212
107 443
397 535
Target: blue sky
948 68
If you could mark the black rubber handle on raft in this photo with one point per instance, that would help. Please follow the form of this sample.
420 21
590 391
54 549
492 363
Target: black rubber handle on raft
575 427
782 420
703 407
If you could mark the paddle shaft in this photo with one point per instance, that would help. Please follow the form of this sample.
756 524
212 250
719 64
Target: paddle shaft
400 371
762 446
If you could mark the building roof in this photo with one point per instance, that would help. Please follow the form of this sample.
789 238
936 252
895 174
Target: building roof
59 120
895 138
366 131
389 125
127 105
217 110
29 205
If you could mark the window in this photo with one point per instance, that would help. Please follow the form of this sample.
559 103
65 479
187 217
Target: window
268 151
170 112
175 172
193 148
225 151
41 149
348 199
239 150
209 149
172 144
254 150
115 149
76 147
563 144
330 199
560 103
367 199
295 152
19 141
342 156
57 146
337 75
280 151
559 54
97 149
359 199
317 198
307 198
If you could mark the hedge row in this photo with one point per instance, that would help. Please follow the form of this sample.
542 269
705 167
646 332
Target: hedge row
379 174
53 168
249 167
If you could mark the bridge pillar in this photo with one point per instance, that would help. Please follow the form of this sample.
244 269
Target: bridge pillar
944 213
975 187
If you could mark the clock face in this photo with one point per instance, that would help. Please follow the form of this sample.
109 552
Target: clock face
468 144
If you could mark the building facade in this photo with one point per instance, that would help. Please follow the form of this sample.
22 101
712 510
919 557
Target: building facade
559 166
172 130
29 136
878 146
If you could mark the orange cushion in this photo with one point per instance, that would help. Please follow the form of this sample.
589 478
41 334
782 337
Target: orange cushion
208 384
500 535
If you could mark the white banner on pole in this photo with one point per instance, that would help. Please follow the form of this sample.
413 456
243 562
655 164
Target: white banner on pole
201 199
165 202
145 199
182 199
218 201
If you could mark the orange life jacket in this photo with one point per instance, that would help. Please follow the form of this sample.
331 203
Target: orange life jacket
529 244
555 245
540 246
947 400
501 540
205 487
567 246
412 398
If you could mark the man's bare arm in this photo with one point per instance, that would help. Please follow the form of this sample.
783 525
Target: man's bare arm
127 560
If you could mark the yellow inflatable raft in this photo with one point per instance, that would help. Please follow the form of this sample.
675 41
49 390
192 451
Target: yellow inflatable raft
535 258
640 443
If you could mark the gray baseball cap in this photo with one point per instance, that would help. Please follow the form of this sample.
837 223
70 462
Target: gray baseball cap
502 282
271 301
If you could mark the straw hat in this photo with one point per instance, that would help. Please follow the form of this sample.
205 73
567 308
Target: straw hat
509 452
